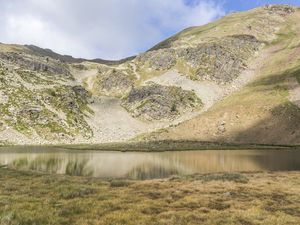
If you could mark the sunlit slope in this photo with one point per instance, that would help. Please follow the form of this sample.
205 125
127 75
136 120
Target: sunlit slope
262 111
260 22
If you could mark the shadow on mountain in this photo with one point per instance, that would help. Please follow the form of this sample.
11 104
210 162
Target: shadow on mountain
276 81
282 128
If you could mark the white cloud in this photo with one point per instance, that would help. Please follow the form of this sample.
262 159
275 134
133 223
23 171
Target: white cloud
100 28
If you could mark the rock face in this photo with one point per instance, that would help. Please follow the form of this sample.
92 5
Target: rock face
35 64
282 10
113 83
220 61
67 97
162 59
156 102
217 60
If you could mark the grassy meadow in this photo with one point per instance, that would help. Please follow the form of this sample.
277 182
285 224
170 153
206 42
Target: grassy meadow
28 198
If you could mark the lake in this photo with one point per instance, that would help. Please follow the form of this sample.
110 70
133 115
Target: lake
146 165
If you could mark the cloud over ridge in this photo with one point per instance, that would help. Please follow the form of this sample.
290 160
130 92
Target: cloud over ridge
109 29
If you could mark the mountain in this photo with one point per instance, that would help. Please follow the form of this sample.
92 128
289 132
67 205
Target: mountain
231 81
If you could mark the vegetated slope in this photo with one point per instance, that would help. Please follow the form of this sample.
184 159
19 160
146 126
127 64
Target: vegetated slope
38 101
266 111
49 98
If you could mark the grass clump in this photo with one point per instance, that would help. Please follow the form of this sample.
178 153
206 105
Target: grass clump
234 177
120 183
30 216
71 192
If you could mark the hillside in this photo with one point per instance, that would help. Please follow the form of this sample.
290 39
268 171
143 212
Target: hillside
233 80
265 111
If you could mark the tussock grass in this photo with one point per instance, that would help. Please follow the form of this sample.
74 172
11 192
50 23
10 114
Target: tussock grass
247 198
235 177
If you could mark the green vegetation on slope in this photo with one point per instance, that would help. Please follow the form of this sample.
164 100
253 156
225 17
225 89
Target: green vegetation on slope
41 103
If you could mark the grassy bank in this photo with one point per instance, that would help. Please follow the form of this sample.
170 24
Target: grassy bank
164 145
170 145
250 198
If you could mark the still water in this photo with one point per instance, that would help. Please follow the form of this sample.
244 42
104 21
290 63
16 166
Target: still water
143 165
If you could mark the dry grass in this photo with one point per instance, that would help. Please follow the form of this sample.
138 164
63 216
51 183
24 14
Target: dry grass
261 111
252 198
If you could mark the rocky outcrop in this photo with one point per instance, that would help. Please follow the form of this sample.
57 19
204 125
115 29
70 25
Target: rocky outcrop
157 102
41 64
162 59
220 60
113 83
31 112
81 93
67 98
282 10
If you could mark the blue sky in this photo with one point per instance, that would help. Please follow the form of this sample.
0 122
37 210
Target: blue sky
242 5
109 29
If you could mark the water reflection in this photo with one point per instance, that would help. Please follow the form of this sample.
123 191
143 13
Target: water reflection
147 165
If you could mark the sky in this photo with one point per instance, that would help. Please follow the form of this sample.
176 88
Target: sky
109 29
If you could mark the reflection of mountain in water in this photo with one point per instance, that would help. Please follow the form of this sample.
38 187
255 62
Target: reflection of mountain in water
53 165
150 165
150 171
39 163
78 168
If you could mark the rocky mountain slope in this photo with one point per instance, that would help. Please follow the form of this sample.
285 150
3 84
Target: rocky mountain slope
233 80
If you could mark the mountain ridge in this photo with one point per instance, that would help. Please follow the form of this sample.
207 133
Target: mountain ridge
188 87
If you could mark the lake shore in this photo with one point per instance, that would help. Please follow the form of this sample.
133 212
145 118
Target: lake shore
223 198
159 146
